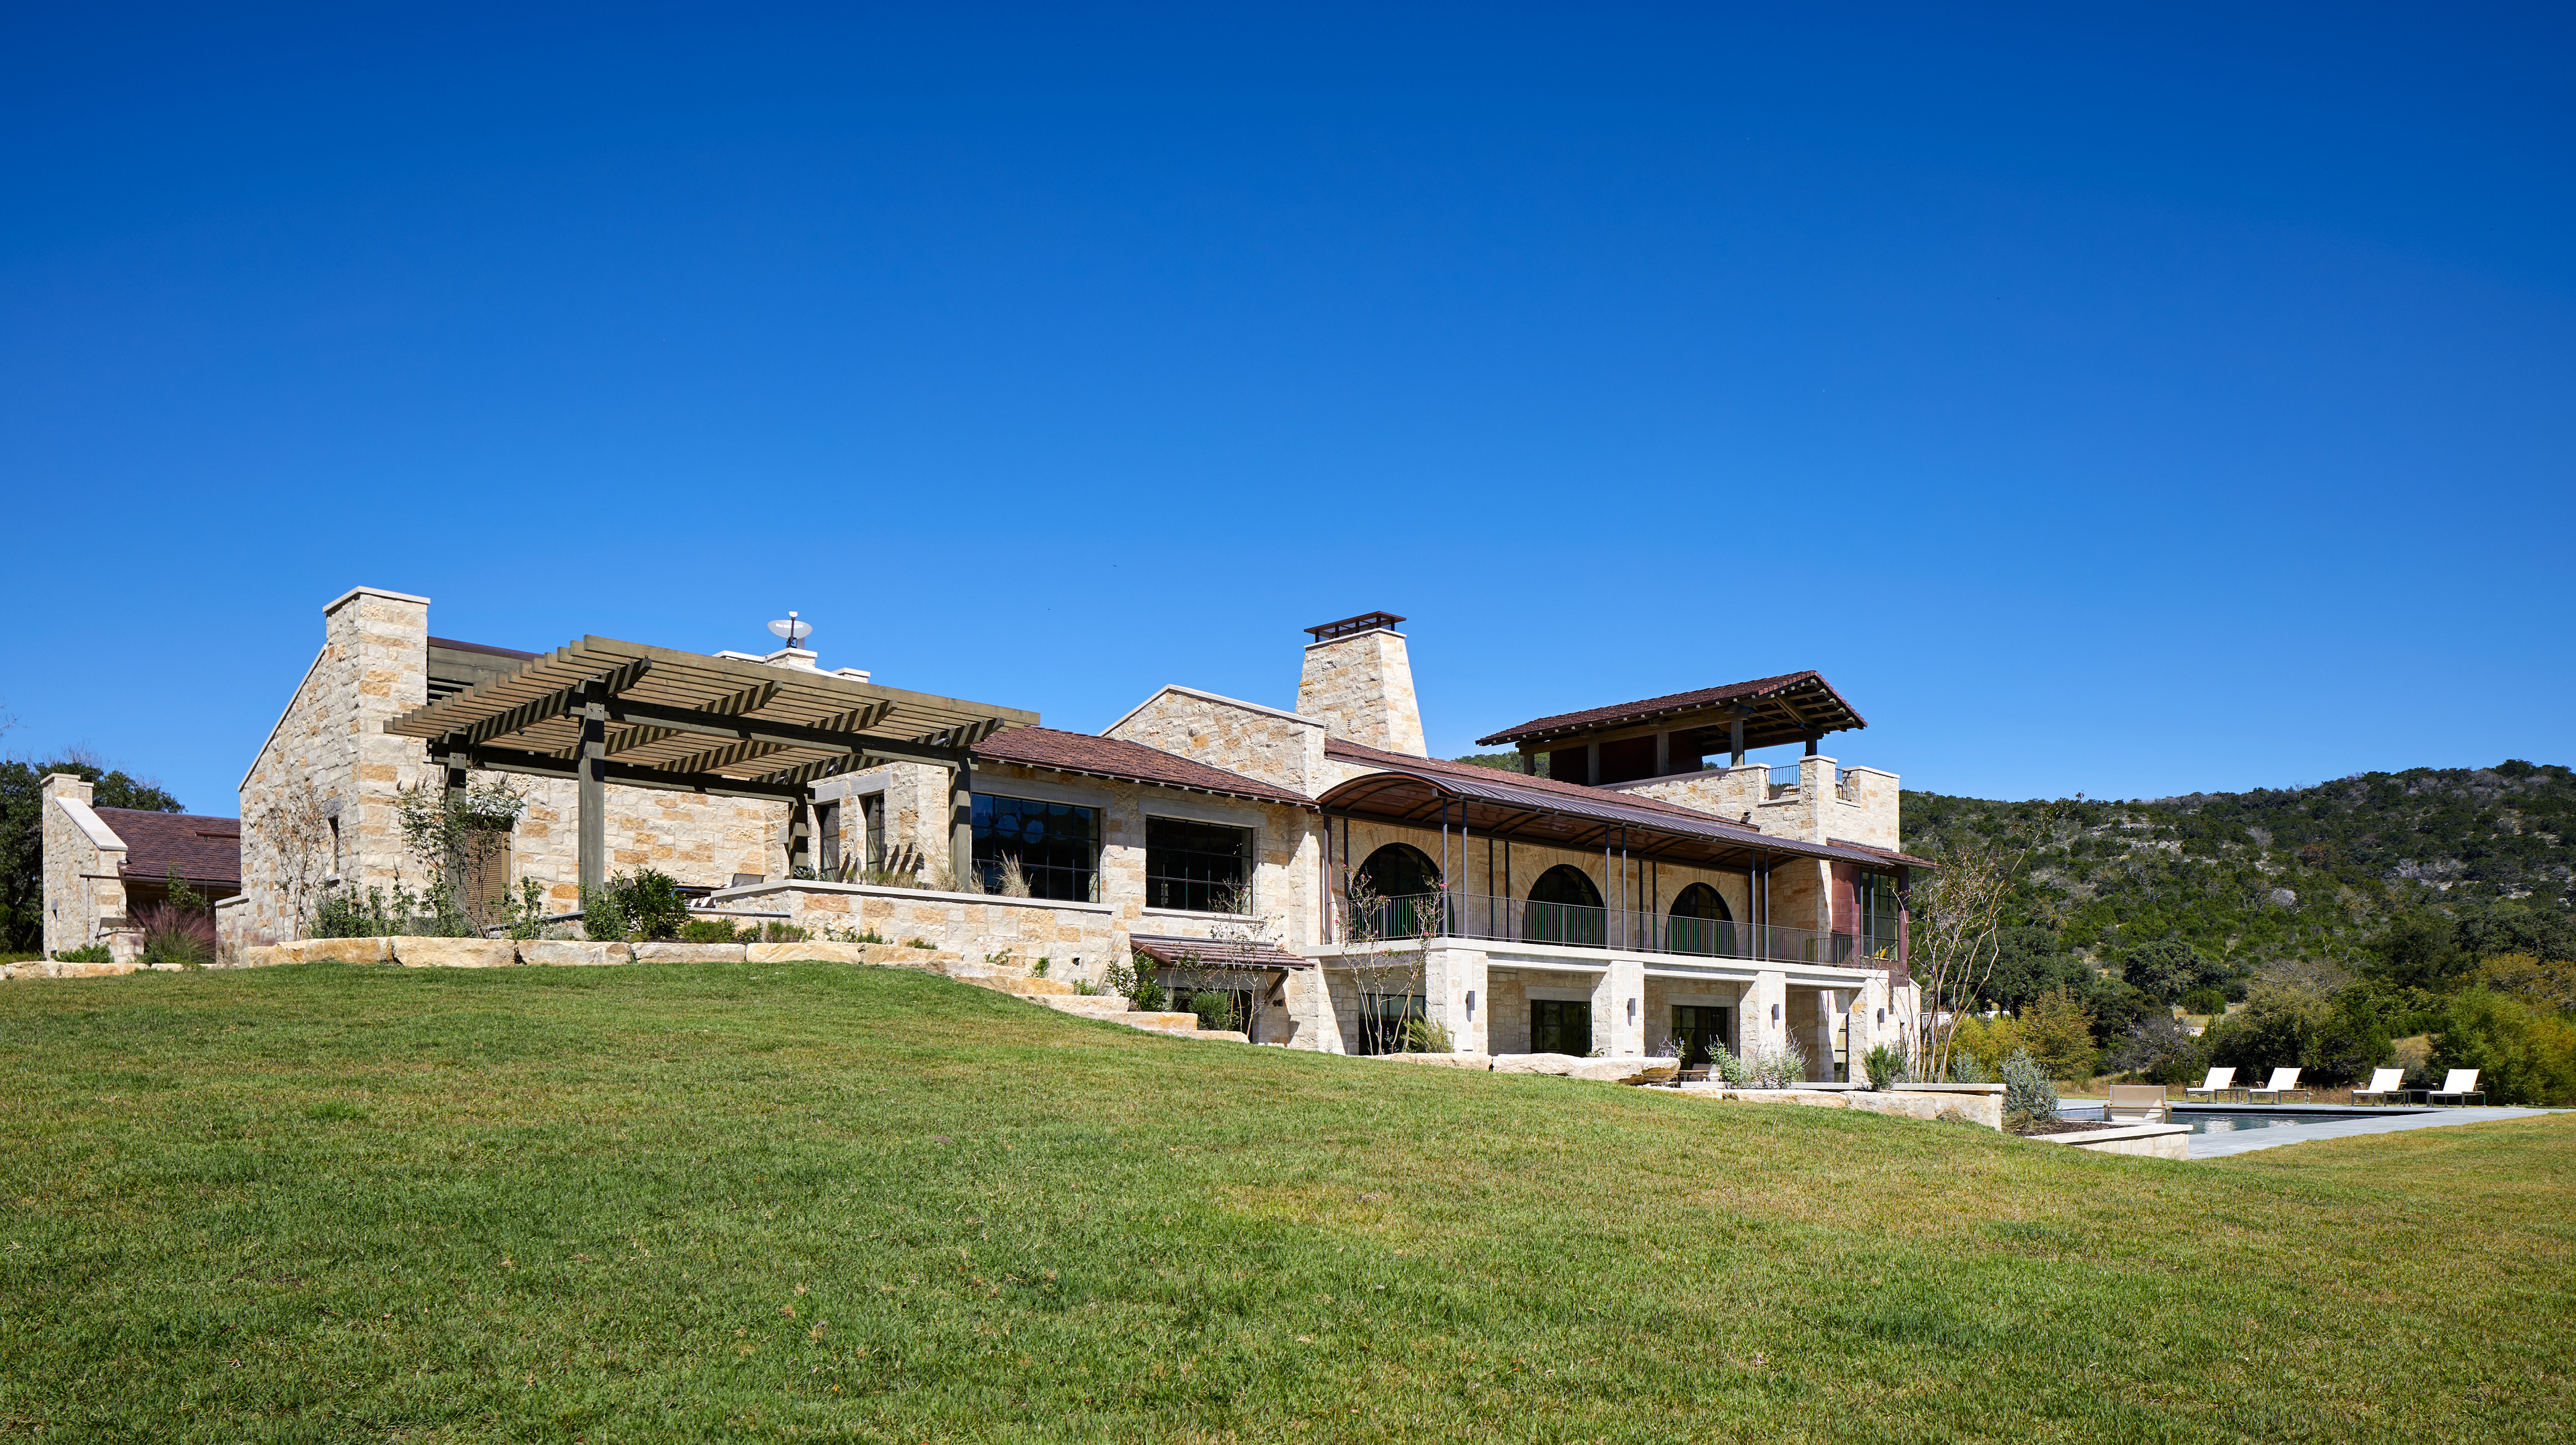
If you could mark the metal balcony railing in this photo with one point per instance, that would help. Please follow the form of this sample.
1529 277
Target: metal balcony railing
1522 920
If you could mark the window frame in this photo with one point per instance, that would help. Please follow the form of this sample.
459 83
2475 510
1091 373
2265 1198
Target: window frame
1248 881
1088 892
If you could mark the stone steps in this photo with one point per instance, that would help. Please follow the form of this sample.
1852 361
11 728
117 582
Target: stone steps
1112 1006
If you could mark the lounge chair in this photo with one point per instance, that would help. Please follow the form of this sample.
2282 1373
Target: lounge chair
2284 1081
2460 1085
2220 1081
2135 1103
2383 1084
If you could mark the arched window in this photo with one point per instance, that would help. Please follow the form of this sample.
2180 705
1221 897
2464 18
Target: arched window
1565 907
1390 904
1700 923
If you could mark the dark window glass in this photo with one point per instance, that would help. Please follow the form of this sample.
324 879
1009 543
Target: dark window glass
872 813
1195 865
1565 907
1057 845
1560 1026
1382 1022
827 838
1697 1029
1700 923
1396 900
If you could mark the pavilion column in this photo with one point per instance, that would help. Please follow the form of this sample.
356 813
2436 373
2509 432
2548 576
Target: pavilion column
1735 739
592 787
961 821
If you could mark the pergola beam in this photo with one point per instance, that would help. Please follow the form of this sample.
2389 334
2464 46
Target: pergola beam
629 775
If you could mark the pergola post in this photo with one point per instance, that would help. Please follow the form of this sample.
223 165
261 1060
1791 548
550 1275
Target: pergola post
800 836
961 819
456 763
592 787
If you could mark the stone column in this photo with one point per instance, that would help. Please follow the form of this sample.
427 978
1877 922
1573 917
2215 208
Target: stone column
1361 687
1455 996
1815 785
1766 1011
1619 1009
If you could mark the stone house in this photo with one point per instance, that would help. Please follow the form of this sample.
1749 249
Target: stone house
1616 896
104 866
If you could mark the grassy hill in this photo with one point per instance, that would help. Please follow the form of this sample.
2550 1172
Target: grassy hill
816 1202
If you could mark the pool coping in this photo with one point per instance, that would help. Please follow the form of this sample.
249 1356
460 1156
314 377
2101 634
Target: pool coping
2246 1141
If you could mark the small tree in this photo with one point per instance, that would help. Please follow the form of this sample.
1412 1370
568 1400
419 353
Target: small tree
297 834
1388 981
459 836
1957 919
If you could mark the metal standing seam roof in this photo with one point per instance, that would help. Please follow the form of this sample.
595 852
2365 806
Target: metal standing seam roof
1172 951
1834 716
1399 772
523 709
1123 761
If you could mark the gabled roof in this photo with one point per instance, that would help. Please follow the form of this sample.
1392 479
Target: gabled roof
1786 708
204 850
1118 759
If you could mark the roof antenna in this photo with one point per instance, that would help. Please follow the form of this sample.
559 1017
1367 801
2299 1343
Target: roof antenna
794 631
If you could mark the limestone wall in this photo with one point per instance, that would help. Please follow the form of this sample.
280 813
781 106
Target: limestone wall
1286 848
1077 939
1283 749
84 892
696 840
1361 689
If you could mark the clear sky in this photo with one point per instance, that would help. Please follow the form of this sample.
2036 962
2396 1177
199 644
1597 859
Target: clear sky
2126 399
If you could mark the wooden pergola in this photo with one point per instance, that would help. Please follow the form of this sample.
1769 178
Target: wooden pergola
601 711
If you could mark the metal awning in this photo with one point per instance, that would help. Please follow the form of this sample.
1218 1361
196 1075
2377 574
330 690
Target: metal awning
1175 952
604 711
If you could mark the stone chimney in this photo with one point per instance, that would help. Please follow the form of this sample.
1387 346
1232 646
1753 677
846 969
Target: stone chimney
1359 683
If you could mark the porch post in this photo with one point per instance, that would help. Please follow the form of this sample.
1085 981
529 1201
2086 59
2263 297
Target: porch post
1735 739
961 820
800 835
592 788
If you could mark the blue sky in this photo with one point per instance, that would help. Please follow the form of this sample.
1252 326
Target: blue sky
2121 399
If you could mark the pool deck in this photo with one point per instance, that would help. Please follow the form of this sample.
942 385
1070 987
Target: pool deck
2363 1120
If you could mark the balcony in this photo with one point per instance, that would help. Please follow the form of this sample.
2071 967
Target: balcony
1520 920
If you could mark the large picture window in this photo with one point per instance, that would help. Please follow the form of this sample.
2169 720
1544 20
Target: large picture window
1200 866
1560 1026
1057 845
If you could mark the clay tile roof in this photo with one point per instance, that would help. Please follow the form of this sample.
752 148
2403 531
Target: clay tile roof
204 850
1172 951
1100 757
1830 712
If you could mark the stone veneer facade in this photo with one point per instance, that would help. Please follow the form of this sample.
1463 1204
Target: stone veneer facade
84 897
373 667
1360 688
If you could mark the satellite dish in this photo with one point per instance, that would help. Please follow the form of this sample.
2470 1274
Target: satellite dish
794 631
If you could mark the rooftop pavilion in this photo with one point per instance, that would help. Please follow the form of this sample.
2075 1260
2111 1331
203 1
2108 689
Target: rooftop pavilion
1658 737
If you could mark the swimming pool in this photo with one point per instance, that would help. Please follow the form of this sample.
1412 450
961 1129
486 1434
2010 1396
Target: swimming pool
2227 1121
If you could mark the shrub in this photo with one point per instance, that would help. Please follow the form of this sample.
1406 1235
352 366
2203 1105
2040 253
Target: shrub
646 905
1775 1068
176 933
2205 1001
1965 1069
1885 1066
919 943
349 913
1215 1009
2522 1056
1726 1067
708 930
1985 1041
2030 1096
776 932
1422 1036
87 953
2056 1031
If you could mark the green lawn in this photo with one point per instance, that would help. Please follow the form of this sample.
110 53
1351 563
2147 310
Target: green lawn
820 1202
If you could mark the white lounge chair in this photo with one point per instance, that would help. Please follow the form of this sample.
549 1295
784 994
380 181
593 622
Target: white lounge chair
2460 1085
2383 1083
2220 1081
2134 1104
2284 1081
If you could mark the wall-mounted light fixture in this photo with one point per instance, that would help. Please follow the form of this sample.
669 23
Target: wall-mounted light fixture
1471 1005
1775 1013
1882 1016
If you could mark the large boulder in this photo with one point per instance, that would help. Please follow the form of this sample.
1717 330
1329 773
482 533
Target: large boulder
564 951
813 952
689 952
1625 1070
455 952
1479 1062
342 950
